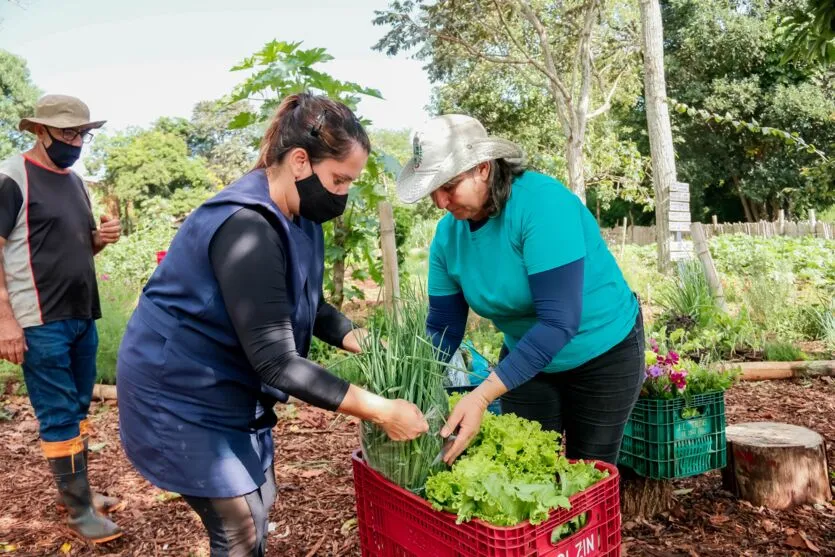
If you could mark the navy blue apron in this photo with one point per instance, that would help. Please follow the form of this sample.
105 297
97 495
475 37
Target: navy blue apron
194 416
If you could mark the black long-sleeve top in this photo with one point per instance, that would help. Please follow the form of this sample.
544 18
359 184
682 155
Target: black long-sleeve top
248 257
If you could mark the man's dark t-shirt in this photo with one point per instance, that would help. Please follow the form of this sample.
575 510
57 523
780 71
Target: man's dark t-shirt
47 221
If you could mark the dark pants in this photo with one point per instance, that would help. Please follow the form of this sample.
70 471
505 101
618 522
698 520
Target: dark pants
590 404
237 526
59 369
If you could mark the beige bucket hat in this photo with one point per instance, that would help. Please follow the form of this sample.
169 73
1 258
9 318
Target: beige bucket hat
445 147
60 111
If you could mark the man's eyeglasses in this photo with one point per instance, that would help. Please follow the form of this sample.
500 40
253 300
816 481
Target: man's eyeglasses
68 135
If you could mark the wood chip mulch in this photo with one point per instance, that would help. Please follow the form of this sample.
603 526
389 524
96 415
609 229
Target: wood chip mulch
315 514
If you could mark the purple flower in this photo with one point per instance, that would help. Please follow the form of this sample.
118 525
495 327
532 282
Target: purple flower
105 276
672 357
654 345
655 371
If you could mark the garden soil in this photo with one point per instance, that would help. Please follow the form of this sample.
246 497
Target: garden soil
315 514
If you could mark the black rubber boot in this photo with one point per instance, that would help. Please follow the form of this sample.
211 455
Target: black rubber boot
68 462
102 503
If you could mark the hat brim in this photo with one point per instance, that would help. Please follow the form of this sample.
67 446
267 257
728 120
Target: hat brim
414 184
26 124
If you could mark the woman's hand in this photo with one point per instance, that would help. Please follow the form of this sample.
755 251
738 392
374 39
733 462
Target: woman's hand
402 420
467 416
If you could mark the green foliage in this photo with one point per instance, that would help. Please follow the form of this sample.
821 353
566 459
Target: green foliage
16 102
688 300
229 153
510 473
280 69
486 339
820 320
494 65
810 33
132 259
809 260
141 167
118 299
392 143
828 214
743 114
782 352
721 337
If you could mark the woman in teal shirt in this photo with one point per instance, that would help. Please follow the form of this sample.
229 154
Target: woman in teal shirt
521 250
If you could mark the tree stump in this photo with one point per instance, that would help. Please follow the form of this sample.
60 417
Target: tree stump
643 497
776 465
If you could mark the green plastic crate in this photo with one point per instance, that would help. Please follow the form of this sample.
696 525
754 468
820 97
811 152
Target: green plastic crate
659 443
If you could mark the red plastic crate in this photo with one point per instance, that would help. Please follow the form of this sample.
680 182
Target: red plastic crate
396 523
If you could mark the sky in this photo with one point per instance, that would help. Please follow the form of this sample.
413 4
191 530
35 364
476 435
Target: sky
133 61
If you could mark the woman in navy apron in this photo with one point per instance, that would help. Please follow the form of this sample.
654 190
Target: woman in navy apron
223 326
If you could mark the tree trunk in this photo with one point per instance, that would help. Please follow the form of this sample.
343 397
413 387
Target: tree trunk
658 123
574 160
749 216
755 212
339 234
776 208
776 465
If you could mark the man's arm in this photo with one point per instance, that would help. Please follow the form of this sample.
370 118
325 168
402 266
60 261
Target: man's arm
12 343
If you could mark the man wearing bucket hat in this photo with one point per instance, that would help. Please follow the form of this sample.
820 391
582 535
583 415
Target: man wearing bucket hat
520 249
49 298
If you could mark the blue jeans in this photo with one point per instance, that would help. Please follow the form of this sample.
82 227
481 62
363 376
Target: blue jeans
59 369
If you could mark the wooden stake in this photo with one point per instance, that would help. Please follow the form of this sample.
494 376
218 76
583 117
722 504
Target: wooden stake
391 276
697 231
623 239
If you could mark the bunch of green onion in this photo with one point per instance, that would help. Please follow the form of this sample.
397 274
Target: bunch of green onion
399 361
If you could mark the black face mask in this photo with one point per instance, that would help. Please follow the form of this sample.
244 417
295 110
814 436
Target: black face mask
318 204
62 155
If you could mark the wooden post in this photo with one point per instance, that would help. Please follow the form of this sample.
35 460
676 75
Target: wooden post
715 220
391 276
703 253
813 221
623 238
781 218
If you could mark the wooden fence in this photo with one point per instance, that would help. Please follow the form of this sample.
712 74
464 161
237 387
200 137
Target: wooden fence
645 235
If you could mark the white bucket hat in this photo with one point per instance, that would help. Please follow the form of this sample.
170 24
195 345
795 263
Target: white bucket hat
445 147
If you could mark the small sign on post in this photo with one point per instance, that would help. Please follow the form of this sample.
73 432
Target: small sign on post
679 216
681 196
679 226
680 206
680 187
